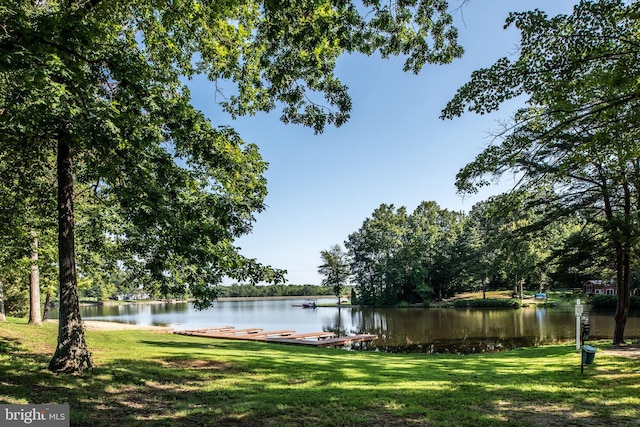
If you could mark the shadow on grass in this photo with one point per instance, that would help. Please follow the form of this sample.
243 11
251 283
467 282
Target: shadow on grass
167 380
9 345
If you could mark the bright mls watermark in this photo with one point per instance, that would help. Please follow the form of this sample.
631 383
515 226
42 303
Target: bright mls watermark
34 415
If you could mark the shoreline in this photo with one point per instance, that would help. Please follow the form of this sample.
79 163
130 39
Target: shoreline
155 301
105 325
630 350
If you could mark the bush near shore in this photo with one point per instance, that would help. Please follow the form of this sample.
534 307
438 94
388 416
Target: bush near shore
147 378
609 302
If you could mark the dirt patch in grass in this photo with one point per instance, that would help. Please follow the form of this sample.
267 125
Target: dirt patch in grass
631 351
544 414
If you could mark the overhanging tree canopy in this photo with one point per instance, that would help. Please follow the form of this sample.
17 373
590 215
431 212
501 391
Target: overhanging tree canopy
580 74
98 83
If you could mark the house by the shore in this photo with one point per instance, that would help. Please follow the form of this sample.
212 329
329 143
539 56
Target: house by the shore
599 287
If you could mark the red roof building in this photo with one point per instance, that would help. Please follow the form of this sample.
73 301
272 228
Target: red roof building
599 287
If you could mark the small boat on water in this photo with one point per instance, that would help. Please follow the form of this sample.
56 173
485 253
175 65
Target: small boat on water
309 304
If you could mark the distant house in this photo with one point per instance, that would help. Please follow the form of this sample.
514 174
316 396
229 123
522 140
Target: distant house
599 287
136 295
139 295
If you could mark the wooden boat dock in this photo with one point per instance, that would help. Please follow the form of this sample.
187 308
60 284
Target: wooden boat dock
287 336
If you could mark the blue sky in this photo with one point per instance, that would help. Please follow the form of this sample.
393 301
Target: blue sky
394 149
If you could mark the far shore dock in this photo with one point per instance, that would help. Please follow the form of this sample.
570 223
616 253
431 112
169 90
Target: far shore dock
316 339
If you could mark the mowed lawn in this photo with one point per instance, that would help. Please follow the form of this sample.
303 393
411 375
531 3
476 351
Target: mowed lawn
147 378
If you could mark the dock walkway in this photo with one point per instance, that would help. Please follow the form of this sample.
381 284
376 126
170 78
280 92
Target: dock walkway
316 339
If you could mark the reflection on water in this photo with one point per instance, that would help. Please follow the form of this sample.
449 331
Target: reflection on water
411 326
398 329
464 330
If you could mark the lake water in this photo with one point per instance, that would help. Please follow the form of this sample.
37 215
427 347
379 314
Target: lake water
398 329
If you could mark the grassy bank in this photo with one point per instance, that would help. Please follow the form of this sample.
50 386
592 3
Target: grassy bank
147 378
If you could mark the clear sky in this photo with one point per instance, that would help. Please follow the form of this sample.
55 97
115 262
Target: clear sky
394 149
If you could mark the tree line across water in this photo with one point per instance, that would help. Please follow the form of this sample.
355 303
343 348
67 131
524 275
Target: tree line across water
280 290
398 257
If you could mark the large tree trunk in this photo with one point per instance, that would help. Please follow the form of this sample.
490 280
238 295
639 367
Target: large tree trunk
623 266
621 237
47 306
72 354
35 318
2 316
624 294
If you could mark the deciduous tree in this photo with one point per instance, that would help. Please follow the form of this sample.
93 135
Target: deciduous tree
335 269
579 74
99 84
396 257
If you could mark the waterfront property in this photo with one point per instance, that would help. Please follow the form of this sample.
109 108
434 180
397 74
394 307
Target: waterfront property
599 287
433 330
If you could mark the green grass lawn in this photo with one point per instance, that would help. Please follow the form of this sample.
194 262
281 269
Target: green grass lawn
147 378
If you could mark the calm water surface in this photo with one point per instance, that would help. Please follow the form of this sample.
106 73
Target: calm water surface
398 329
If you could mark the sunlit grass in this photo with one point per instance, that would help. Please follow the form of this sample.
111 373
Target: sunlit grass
158 379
